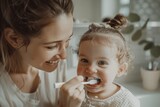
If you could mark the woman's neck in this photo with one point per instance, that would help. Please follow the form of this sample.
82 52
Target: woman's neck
27 82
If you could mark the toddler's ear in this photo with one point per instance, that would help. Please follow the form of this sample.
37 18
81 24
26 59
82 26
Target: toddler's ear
122 69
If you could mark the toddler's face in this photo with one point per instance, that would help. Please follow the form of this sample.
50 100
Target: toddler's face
97 61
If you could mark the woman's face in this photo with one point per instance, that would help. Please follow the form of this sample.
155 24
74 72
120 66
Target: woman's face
46 50
97 61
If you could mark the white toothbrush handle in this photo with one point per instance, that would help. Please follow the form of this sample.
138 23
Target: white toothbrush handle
58 85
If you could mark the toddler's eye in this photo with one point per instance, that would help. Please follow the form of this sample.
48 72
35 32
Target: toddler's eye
83 61
102 63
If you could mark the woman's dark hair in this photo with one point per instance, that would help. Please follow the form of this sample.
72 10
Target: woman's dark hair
27 18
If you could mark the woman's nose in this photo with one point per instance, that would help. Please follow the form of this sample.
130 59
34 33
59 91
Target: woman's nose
62 51
63 54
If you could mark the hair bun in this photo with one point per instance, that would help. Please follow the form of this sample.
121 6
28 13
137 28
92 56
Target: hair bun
106 19
118 22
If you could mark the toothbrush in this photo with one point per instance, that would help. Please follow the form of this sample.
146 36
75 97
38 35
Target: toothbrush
91 82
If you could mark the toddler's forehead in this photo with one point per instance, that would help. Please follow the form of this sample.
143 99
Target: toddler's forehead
99 43
111 40
104 39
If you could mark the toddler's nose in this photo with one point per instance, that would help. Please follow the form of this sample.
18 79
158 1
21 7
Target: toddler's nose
91 69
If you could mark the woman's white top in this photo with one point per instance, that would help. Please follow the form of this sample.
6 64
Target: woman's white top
122 98
45 96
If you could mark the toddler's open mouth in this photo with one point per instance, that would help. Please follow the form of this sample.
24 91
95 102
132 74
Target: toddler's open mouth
93 78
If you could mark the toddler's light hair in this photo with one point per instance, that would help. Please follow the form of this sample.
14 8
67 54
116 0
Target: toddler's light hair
109 33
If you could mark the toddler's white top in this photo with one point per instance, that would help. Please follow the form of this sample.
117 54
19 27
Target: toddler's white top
122 98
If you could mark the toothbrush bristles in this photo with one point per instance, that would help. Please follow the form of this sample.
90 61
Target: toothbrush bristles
91 82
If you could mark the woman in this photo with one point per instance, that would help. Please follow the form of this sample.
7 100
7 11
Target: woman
34 35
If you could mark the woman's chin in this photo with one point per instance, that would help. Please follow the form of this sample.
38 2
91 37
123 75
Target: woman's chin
49 68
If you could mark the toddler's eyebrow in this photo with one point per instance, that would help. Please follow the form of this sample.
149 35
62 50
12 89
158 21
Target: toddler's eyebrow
81 55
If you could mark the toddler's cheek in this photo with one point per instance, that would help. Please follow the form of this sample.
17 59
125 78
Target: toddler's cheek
80 70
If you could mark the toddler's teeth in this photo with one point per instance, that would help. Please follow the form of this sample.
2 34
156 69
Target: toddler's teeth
92 78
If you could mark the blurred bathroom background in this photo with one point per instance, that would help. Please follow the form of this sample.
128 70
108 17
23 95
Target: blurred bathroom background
88 11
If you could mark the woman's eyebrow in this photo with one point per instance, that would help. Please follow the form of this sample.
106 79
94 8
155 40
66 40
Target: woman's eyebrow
70 37
57 41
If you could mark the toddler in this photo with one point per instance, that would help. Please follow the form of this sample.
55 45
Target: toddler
103 55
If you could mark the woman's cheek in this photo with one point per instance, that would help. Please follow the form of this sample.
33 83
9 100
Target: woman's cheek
49 54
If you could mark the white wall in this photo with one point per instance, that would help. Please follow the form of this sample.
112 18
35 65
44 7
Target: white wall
95 10
84 10
109 8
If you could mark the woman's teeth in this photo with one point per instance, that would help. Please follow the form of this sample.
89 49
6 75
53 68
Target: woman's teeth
52 62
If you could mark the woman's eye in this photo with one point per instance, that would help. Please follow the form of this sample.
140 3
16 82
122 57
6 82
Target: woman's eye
67 43
51 47
102 63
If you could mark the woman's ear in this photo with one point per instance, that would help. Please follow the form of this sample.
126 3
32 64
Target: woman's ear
13 38
122 69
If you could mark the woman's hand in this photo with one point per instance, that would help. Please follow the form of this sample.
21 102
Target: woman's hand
72 93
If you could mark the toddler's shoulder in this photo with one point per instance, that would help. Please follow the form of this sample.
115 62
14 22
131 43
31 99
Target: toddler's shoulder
127 98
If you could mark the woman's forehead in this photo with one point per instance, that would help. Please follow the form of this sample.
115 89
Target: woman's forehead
58 30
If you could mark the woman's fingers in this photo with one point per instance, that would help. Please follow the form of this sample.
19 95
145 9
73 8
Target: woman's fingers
69 87
77 98
73 83
72 93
